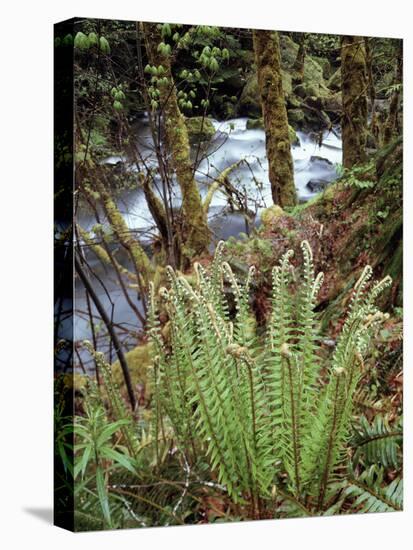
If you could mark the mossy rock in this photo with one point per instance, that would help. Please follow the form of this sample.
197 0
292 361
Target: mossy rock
306 89
295 117
294 102
271 215
255 124
334 82
293 136
250 100
289 50
287 83
258 124
333 103
199 129
313 77
324 64
139 362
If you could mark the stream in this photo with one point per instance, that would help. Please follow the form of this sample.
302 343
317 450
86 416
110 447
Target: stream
314 168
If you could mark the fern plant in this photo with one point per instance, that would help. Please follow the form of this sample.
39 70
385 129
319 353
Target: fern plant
257 406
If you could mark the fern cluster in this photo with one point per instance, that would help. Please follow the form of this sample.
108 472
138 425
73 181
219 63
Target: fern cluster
262 408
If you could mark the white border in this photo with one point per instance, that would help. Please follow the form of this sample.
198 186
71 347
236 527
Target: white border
26 270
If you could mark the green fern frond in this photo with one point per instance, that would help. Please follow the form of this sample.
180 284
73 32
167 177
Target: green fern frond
369 495
378 442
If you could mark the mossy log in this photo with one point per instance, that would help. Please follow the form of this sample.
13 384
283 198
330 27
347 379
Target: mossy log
221 181
280 163
157 210
102 254
141 262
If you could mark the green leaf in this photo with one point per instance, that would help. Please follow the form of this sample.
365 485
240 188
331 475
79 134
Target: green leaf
109 430
119 458
119 95
213 64
93 39
68 40
371 497
104 45
103 496
81 41
81 465
378 442
166 30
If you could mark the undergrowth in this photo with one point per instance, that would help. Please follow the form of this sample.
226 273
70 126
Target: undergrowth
242 424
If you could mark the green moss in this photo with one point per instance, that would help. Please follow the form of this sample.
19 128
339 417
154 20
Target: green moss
258 124
271 215
195 231
293 136
289 50
313 76
199 129
250 100
120 228
287 83
324 64
277 142
139 362
389 161
255 124
306 90
334 82
313 71
293 102
296 117
333 103
354 86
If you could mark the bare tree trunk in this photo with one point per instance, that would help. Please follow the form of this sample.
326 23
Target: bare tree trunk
195 226
280 163
354 87
118 348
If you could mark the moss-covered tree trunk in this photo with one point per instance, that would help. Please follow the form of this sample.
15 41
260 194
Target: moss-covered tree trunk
280 162
374 123
354 87
392 126
298 66
196 233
